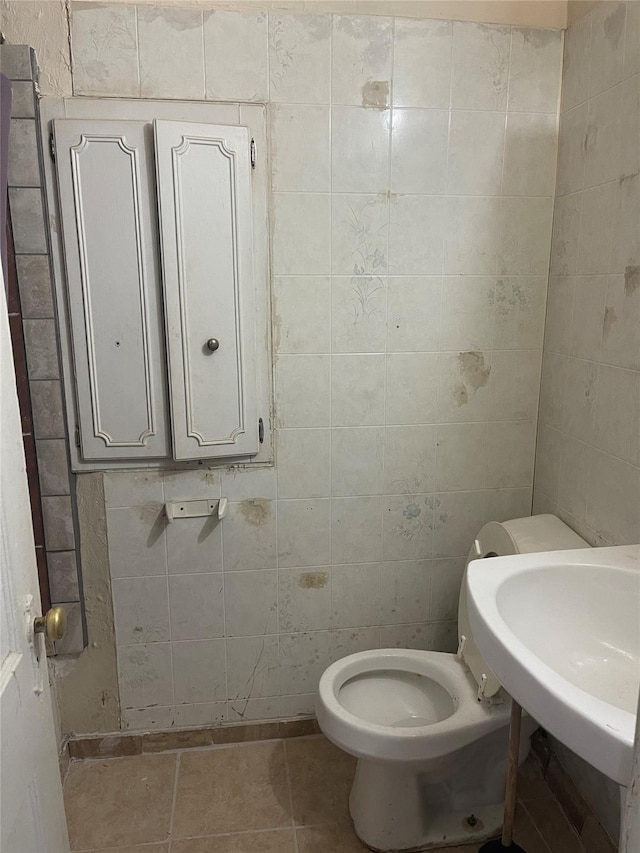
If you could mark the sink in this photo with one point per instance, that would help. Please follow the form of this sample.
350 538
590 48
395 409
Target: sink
561 632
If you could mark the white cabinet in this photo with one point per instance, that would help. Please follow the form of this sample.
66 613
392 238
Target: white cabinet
157 223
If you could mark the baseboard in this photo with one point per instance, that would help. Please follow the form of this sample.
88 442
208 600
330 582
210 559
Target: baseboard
117 744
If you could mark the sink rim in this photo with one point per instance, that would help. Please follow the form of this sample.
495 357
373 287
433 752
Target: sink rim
600 732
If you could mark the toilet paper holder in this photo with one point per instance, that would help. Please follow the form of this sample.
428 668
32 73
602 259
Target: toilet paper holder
196 508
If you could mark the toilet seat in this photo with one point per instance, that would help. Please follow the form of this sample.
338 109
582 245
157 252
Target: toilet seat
423 677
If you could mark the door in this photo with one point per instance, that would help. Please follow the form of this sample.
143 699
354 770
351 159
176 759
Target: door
106 183
32 816
204 196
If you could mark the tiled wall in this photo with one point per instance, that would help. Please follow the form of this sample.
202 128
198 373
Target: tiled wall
588 462
40 389
412 173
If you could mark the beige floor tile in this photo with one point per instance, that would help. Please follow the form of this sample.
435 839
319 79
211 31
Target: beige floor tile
278 841
321 777
120 801
329 839
554 827
232 789
137 848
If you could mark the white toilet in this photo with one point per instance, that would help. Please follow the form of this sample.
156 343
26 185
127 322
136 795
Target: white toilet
430 729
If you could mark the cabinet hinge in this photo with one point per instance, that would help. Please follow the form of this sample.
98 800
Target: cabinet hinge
253 153
76 435
52 146
260 430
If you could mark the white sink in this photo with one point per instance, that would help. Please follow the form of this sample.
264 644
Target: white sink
561 632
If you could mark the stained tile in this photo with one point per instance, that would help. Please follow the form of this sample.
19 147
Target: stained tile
105 52
321 777
235 46
340 838
98 794
227 790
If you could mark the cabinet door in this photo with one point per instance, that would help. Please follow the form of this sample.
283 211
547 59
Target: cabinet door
106 185
204 196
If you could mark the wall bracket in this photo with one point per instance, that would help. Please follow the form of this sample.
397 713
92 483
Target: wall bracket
196 509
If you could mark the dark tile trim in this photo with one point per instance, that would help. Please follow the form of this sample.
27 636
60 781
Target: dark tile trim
577 810
119 745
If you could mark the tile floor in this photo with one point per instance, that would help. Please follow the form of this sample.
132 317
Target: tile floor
279 796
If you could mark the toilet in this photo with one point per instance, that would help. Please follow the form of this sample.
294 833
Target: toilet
430 729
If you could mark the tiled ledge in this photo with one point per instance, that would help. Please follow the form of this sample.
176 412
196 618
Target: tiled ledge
119 745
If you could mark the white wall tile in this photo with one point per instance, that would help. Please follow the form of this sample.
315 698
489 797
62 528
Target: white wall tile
300 148
575 70
194 545
235 50
242 482
359 234
197 607
613 499
530 154
515 400
140 610
299 58
559 312
357 461
360 149
301 234
412 382
183 485
413 313
253 669
594 244
509 453
356 594
303 391
198 671
566 235
474 169
148 719
603 138
136 541
632 40
361 61
200 714
357 390
250 603
304 599
524 236
520 303
170 46
105 56
585 332
457 517
445 588
304 532
468 308
419 151
408 527
464 386
254 709
409 459
613 427
249 536
459 464
621 324
358 313
534 71
415 235
303 659
131 488
480 66
301 314
356 530
580 396
145 675
625 249
571 150
471 235
304 463
406 590
607 46
422 63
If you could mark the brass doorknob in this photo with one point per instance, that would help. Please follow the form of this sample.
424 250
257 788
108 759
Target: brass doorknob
53 624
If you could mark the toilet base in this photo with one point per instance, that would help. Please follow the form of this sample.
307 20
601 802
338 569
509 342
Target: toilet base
399 807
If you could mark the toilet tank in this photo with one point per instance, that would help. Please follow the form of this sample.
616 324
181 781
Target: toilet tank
500 539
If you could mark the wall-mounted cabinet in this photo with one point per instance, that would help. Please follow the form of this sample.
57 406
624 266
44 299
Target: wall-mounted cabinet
162 280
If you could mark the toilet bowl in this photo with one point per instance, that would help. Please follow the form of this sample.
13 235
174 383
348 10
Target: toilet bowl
430 729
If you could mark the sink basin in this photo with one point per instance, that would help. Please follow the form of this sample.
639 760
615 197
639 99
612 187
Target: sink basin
561 632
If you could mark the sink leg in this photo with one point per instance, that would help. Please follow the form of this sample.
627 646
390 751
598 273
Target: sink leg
507 842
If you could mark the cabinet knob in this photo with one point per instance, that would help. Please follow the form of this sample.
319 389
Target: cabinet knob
213 344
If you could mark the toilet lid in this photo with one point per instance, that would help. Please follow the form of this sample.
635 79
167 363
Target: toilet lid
520 536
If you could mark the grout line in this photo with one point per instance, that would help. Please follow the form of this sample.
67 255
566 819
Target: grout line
290 792
173 800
